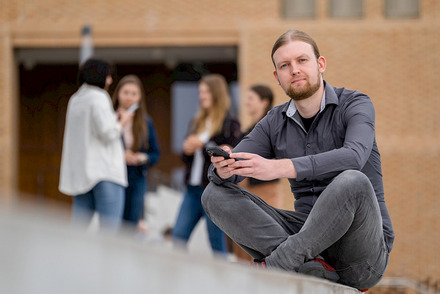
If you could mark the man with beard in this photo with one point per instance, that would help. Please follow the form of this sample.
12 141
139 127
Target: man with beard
323 142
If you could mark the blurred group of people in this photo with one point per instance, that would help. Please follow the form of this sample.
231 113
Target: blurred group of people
111 142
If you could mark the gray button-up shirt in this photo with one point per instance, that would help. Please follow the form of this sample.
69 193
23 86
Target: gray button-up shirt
341 137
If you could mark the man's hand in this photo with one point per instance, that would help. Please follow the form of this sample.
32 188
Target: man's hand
221 164
253 165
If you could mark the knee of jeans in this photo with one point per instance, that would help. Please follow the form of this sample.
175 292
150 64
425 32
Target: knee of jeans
206 196
358 184
354 177
210 196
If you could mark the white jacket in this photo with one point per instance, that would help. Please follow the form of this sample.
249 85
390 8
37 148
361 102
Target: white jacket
92 146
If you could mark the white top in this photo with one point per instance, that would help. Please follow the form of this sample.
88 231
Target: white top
127 130
199 159
92 146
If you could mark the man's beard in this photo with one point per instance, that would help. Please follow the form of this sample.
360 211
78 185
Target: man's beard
302 94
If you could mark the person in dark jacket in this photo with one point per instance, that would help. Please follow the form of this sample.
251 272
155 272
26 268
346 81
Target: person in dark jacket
323 142
141 146
213 125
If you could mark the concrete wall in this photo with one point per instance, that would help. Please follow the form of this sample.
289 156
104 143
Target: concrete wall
42 255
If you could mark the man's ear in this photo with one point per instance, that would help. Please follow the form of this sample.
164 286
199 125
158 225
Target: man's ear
276 77
265 100
322 63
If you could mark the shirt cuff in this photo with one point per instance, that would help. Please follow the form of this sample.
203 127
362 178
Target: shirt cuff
303 167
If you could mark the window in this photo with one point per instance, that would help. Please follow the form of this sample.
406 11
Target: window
298 8
402 8
346 9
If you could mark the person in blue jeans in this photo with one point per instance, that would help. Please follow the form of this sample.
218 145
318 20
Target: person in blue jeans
107 199
92 163
323 142
213 125
141 146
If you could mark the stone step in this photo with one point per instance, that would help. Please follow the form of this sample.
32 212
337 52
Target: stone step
42 254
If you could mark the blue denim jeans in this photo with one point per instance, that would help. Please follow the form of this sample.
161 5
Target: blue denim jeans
191 211
344 225
105 198
135 196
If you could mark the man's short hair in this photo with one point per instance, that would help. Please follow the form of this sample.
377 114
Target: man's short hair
94 72
294 35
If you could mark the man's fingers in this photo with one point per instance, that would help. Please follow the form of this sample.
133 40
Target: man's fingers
218 161
242 155
215 159
245 171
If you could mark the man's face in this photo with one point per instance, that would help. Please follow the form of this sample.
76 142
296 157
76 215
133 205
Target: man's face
297 69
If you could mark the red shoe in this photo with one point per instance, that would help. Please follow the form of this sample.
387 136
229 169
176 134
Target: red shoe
320 269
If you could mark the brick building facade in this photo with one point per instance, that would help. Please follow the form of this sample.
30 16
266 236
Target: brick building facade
394 60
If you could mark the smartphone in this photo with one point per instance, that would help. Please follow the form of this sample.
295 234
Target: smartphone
133 108
217 151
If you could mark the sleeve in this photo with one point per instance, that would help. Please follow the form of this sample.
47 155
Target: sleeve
104 119
233 135
358 118
153 151
257 141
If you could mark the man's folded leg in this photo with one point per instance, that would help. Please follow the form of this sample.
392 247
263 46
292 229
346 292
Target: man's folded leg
346 221
250 222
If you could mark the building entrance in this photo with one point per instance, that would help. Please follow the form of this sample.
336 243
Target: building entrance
45 87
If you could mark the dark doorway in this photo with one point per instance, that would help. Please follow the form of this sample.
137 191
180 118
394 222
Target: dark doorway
45 90
44 93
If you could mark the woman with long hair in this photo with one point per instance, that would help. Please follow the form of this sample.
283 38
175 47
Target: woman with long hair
213 125
140 144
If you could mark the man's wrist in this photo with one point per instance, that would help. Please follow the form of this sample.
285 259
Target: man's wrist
285 169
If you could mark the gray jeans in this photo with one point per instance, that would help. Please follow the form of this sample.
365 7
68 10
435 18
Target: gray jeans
345 226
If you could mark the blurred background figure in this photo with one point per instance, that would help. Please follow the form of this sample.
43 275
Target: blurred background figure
141 146
86 50
257 102
213 125
92 165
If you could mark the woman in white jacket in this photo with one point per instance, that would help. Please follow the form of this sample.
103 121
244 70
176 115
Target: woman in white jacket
93 168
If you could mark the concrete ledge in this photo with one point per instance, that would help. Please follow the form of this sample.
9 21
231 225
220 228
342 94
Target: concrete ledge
43 255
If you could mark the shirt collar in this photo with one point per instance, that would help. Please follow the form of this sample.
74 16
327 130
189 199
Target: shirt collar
329 97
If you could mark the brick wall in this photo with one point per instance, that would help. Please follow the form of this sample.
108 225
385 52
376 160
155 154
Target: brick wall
395 62
8 111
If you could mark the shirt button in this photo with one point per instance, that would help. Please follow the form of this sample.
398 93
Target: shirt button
308 145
